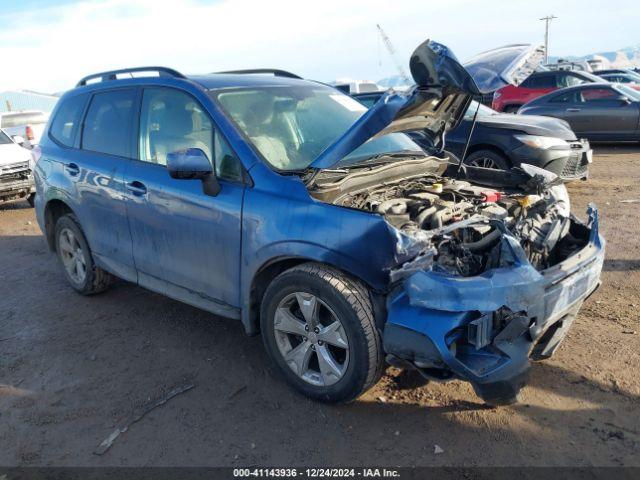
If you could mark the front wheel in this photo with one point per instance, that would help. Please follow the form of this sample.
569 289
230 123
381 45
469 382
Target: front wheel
487 159
318 327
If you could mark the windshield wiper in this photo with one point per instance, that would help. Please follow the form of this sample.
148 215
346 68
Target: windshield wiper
366 162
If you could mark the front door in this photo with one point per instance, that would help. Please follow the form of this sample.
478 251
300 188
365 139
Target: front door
186 244
606 116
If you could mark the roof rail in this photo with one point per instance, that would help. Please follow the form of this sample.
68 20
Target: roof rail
112 74
276 72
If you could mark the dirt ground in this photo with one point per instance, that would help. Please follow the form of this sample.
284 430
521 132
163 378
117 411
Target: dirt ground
72 369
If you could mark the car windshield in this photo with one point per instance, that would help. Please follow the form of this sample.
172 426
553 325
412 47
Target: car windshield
4 138
291 125
631 77
483 112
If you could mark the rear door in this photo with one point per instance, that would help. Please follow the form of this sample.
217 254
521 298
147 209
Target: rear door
97 170
186 244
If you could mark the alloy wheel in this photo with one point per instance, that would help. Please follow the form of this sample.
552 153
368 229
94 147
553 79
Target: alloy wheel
484 162
72 256
311 339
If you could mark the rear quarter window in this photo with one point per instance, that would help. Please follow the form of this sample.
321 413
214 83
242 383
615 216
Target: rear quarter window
540 81
65 123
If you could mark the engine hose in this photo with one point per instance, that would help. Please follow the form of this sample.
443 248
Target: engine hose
424 215
387 205
483 243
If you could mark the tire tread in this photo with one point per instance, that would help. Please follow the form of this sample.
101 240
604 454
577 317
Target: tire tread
357 295
101 280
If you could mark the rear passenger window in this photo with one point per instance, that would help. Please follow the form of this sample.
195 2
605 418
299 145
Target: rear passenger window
540 81
65 124
107 125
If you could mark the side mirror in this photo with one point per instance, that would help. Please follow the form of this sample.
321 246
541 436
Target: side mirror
191 164
625 101
18 139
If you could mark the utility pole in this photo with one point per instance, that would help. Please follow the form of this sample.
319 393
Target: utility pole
394 55
547 21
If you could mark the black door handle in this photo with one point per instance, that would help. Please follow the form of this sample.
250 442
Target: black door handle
72 169
137 188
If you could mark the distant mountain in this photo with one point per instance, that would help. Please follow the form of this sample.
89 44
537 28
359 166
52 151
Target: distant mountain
628 57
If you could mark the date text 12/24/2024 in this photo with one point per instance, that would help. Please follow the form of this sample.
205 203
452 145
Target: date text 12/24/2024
315 473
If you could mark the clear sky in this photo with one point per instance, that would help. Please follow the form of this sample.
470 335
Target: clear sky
47 45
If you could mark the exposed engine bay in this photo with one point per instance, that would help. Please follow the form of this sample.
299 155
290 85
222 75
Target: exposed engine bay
461 224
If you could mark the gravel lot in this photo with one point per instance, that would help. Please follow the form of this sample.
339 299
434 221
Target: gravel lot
72 369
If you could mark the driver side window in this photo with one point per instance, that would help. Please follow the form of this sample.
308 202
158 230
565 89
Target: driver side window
171 120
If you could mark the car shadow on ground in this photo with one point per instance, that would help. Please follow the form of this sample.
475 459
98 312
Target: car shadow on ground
608 148
619 265
15 205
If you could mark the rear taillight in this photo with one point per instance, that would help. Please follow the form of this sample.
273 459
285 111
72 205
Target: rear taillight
36 153
28 132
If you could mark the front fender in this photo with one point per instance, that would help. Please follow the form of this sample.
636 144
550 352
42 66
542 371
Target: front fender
302 251
281 221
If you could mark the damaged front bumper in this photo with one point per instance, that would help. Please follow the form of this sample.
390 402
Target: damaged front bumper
485 329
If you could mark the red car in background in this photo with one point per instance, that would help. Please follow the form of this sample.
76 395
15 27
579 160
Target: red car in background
510 98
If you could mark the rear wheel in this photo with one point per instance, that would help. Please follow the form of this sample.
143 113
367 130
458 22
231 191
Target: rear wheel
74 254
512 108
487 159
318 327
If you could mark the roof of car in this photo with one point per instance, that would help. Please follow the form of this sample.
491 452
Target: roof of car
583 86
611 70
214 81
238 78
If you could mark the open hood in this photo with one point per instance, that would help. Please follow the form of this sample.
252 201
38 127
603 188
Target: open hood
441 95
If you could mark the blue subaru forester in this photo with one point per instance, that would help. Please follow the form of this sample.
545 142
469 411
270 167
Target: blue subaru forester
281 202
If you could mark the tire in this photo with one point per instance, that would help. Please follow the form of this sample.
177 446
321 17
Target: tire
512 108
31 199
483 158
73 250
346 373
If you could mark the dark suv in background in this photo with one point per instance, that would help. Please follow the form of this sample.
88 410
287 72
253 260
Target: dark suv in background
510 98
503 141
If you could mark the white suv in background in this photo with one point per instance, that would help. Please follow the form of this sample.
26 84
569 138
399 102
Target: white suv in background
16 179
26 124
